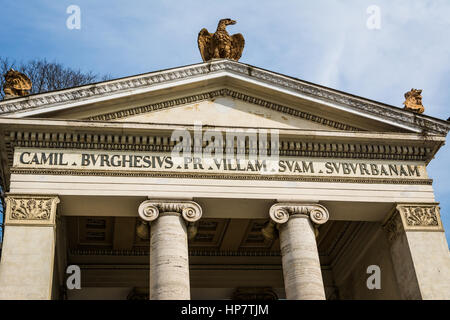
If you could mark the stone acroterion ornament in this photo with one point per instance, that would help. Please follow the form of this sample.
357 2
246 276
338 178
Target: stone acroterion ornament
413 101
220 45
16 84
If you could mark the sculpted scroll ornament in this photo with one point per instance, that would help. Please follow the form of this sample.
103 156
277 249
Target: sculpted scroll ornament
281 212
150 210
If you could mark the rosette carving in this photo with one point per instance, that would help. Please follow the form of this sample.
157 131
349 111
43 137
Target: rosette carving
150 210
281 212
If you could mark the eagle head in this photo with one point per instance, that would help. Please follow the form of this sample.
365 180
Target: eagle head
227 22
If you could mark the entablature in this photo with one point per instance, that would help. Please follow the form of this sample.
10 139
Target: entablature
411 151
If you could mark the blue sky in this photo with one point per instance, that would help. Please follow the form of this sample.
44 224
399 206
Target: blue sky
323 41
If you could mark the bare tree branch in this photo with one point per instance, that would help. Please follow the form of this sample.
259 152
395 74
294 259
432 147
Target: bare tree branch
48 76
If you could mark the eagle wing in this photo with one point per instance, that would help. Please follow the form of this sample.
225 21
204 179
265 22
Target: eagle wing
204 44
237 46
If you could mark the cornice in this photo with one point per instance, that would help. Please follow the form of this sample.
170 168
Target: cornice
382 111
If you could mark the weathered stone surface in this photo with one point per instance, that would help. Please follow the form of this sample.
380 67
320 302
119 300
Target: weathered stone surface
169 257
26 268
301 265
419 251
169 260
300 257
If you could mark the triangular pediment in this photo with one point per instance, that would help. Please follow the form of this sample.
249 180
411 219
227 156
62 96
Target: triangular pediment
227 111
221 93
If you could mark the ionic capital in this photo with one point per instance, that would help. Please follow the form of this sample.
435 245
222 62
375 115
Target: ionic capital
30 210
281 212
150 210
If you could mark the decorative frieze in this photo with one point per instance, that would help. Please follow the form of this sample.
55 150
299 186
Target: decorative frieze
420 216
413 217
30 209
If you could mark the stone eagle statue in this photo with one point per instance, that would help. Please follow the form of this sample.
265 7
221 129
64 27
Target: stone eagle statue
16 84
220 45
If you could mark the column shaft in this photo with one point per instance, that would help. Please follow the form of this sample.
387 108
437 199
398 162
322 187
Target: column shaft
169 259
301 265
169 256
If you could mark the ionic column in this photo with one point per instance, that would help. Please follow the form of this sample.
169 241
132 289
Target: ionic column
419 251
300 257
169 257
26 267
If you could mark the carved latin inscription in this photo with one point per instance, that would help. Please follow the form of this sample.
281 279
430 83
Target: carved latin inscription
165 162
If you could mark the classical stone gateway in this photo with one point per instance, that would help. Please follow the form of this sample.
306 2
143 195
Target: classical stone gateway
219 180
